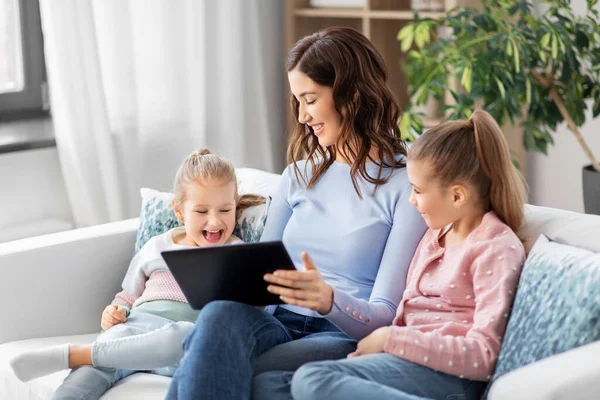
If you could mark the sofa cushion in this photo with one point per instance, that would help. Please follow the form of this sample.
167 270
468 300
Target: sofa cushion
557 306
137 386
156 217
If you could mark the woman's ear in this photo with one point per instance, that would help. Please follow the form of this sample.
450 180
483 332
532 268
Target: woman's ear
177 209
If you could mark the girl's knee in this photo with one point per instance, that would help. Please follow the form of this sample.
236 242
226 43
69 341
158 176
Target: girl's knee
272 384
307 381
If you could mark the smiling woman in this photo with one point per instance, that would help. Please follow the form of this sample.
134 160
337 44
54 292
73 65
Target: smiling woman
343 214
316 108
342 70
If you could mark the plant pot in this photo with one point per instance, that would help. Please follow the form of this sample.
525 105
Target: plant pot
591 190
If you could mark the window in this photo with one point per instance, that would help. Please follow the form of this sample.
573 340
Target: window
23 89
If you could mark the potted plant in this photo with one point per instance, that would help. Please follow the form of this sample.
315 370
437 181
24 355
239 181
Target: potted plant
541 69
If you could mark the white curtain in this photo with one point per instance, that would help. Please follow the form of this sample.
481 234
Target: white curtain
136 85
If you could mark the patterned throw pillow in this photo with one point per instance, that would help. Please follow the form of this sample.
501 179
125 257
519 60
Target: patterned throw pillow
557 306
157 217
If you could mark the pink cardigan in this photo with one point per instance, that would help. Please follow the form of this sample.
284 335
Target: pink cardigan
455 307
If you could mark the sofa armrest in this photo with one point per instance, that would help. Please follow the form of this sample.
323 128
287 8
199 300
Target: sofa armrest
58 284
572 375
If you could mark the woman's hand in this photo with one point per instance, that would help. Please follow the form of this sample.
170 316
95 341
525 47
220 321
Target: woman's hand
374 343
302 288
112 315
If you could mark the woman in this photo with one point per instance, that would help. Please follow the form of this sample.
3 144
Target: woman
342 212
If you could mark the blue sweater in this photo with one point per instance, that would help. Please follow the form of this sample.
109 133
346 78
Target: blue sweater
362 248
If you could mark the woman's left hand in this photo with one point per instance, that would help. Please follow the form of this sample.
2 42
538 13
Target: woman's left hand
302 288
374 343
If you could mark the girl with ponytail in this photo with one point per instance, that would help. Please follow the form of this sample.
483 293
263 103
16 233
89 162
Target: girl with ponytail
448 329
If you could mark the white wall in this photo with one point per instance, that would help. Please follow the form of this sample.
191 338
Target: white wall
32 193
555 180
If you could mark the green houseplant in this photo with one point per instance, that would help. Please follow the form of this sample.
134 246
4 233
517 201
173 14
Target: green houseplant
539 69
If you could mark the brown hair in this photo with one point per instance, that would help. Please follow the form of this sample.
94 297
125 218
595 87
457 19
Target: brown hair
201 166
346 61
476 152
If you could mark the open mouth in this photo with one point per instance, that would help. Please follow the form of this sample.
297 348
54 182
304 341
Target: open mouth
317 129
212 236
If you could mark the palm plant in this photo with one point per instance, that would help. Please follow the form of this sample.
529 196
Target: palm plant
539 69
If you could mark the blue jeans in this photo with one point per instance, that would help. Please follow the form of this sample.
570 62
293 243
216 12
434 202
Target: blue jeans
145 342
374 376
231 342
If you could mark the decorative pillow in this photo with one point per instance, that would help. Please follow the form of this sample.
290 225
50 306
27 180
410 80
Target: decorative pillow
251 222
157 217
557 306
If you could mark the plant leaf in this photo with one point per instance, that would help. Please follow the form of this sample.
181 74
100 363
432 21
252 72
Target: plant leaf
517 58
509 49
545 40
501 88
466 78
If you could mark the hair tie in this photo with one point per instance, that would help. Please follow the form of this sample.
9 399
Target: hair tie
201 152
469 123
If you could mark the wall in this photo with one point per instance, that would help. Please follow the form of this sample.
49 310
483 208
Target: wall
555 180
33 198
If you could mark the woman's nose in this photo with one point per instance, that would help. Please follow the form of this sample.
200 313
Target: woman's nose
303 116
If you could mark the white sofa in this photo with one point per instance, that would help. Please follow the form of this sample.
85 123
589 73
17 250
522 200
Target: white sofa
54 288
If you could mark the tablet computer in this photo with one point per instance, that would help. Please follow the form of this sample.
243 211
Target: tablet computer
228 272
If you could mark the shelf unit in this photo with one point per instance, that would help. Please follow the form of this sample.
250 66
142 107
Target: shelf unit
379 20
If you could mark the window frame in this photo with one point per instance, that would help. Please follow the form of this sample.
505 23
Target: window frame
32 101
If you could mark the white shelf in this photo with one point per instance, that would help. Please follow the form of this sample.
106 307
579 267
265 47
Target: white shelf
362 13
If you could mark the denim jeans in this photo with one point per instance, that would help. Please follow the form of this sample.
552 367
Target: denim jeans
145 342
374 376
231 342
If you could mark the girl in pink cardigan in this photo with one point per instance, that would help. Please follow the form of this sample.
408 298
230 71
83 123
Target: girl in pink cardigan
447 333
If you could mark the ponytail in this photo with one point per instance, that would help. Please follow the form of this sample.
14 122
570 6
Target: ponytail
508 191
248 200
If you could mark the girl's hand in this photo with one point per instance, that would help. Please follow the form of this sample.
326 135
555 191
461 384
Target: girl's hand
374 343
111 316
302 288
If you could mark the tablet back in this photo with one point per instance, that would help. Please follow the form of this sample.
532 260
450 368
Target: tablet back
228 272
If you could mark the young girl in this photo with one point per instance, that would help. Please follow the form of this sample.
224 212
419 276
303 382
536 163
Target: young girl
446 336
146 322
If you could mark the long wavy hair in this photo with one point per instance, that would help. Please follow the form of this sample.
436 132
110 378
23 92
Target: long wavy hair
346 61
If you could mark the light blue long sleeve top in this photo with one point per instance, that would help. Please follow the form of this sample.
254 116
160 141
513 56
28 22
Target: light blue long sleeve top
362 247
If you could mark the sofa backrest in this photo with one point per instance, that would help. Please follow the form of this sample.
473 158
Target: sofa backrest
575 229
567 227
